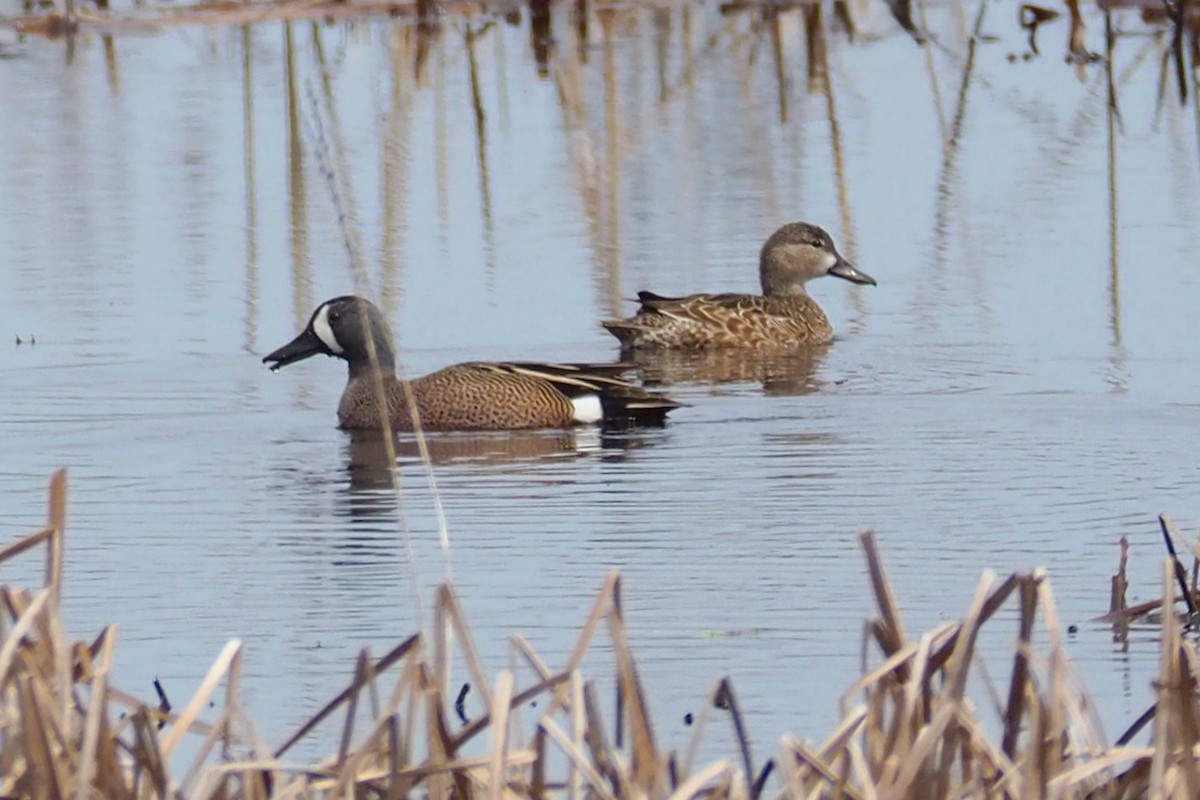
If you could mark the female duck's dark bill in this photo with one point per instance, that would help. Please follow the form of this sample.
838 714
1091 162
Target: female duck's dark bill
844 269
303 346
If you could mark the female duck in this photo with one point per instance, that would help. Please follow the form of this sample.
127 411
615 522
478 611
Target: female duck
782 316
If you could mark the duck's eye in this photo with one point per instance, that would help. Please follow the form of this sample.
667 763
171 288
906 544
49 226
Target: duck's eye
817 243
335 315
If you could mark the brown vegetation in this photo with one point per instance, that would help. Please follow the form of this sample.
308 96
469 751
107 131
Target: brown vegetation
910 729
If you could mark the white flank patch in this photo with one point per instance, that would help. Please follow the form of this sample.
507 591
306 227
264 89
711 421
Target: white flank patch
587 408
324 330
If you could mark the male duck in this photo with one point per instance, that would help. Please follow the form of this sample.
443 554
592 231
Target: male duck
782 316
469 396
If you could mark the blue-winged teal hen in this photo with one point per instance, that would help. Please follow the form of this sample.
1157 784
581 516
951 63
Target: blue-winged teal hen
470 396
782 316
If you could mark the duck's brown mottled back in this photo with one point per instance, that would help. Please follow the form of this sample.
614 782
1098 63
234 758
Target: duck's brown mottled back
784 315
469 396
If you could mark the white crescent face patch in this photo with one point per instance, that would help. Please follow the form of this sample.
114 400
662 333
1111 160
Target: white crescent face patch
324 330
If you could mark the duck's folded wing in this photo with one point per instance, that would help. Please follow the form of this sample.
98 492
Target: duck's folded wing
618 398
585 375
704 308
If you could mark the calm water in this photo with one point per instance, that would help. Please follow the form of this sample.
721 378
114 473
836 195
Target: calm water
1020 389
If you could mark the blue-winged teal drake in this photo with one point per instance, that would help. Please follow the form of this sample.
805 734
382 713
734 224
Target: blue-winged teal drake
470 396
782 316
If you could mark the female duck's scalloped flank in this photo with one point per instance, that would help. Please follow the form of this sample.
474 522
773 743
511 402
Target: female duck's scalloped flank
782 316
470 396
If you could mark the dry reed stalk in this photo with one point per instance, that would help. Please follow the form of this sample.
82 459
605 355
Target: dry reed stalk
914 730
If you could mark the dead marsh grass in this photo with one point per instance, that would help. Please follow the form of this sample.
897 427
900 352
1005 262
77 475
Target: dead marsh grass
911 726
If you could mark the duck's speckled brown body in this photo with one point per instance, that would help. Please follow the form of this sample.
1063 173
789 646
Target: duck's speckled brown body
702 321
468 396
784 315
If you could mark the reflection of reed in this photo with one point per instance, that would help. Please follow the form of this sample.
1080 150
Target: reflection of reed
781 373
960 109
541 39
251 280
427 14
931 68
485 190
902 13
584 157
501 70
947 198
1077 51
661 22
1118 378
336 171
772 19
441 137
1113 113
818 72
579 21
1196 81
426 34
689 55
1178 12
841 13
817 60
611 228
394 170
110 64
757 129
297 189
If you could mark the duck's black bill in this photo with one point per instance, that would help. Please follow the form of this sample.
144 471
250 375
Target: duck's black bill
844 269
303 346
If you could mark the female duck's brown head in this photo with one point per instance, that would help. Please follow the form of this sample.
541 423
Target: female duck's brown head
340 328
799 252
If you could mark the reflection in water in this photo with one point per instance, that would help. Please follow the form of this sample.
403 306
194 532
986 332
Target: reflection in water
297 189
541 39
471 35
369 492
426 33
332 156
815 47
1111 132
249 342
661 23
1117 377
819 76
789 373
771 17
579 17
951 206
610 224
395 172
366 459
110 65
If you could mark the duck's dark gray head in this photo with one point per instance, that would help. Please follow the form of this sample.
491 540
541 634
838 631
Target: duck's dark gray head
799 252
339 328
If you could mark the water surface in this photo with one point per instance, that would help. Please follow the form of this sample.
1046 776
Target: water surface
1019 390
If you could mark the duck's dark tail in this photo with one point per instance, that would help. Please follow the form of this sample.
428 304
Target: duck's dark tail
635 408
